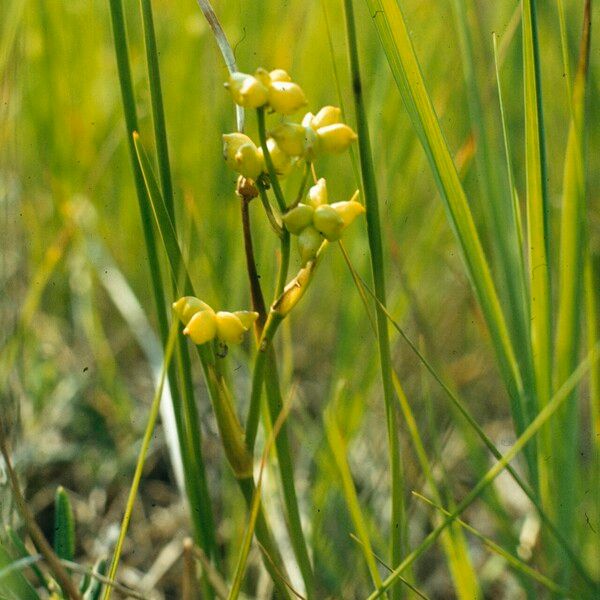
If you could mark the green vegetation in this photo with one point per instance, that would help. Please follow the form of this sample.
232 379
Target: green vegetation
403 403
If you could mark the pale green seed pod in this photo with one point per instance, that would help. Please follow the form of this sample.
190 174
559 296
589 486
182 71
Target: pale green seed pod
328 222
317 194
185 308
246 317
335 138
286 97
249 162
281 160
202 327
328 115
232 142
298 218
279 75
294 139
230 328
309 242
247 91
348 211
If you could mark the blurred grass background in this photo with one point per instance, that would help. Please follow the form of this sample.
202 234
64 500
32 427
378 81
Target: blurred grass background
75 375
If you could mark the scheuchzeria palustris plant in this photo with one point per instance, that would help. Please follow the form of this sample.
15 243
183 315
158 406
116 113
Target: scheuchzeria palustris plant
311 218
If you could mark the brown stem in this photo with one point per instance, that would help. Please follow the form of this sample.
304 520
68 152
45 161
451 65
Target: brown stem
258 300
37 535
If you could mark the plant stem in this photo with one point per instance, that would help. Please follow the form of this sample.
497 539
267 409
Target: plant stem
398 521
262 133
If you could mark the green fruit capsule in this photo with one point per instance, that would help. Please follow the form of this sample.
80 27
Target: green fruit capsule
328 222
309 242
298 218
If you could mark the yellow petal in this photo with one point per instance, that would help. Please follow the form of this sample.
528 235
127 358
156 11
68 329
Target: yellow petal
230 328
202 327
185 308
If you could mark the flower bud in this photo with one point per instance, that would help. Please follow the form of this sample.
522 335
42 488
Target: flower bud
185 308
348 211
294 139
298 218
246 317
309 242
281 160
335 138
317 194
247 91
279 75
232 142
263 76
230 328
249 161
286 97
202 327
328 222
328 115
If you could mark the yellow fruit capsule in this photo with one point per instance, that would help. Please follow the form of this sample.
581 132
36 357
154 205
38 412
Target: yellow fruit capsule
247 317
317 194
348 211
247 91
249 161
185 308
279 75
263 76
232 142
335 138
309 242
230 328
286 97
202 327
328 222
328 115
294 139
281 160
298 218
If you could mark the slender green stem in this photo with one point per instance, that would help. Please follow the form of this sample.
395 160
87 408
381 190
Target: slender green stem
398 521
262 133
275 225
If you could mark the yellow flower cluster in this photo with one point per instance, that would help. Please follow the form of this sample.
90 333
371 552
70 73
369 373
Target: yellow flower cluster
316 219
203 324
275 89
289 142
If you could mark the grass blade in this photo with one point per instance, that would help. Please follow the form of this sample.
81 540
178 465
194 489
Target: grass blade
398 517
139 468
64 526
537 235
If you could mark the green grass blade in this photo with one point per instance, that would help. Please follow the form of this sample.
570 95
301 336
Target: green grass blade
556 402
570 280
398 517
64 526
193 478
396 42
537 235
139 467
